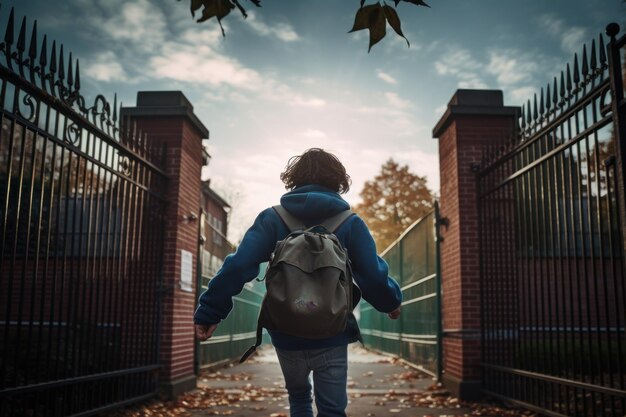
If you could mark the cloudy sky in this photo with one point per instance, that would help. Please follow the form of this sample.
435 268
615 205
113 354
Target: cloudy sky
290 77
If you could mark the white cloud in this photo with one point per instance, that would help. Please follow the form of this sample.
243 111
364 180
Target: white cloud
283 31
196 57
301 101
439 111
511 67
396 101
199 64
422 163
521 94
140 23
455 61
386 77
314 134
359 36
106 67
571 37
459 63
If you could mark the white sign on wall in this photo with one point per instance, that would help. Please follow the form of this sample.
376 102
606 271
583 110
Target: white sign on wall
186 270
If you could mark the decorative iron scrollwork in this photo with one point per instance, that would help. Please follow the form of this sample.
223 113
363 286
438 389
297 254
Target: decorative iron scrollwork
28 102
606 108
73 134
54 74
125 166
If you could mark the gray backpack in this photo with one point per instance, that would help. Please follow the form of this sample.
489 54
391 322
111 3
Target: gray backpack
308 281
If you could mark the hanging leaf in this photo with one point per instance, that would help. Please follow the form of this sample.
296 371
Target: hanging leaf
371 17
216 8
416 2
362 18
394 22
195 5
378 27
257 3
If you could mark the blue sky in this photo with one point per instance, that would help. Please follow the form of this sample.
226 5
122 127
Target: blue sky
290 77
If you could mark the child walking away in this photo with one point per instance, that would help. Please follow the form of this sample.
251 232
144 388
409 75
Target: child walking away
322 260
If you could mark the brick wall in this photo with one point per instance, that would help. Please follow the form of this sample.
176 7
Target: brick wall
167 118
473 120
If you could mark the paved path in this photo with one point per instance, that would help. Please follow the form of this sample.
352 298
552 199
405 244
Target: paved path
377 386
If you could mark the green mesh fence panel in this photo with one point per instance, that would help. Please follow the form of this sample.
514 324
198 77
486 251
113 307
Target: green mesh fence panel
415 336
237 332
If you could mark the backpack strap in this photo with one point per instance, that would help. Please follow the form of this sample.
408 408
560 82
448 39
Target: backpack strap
259 340
333 223
292 222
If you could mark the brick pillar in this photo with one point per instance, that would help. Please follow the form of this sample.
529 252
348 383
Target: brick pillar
473 119
167 118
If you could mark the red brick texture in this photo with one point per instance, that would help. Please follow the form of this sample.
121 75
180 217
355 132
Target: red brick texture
183 164
460 147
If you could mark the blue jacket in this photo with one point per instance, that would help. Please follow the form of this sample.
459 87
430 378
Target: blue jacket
312 204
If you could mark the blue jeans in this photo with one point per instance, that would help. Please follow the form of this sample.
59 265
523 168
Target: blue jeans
330 377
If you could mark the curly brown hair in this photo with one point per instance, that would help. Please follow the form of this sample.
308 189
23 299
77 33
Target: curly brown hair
316 166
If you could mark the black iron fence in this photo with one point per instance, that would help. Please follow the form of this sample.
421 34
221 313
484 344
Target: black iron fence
79 283
552 244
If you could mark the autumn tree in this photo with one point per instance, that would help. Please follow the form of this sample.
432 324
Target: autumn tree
373 17
392 201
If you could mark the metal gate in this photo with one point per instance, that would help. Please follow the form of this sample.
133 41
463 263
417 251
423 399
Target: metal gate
79 283
552 245
416 336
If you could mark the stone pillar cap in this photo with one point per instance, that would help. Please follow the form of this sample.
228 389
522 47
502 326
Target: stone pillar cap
165 103
474 102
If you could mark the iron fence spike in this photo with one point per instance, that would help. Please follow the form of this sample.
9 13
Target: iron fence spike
21 39
535 115
528 118
115 108
576 70
43 56
70 75
32 51
53 58
555 93
548 97
569 79
8 34
593 63
562 87
542 109
61 65
585 64
602 50
77 77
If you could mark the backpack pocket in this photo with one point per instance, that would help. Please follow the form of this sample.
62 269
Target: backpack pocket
312 305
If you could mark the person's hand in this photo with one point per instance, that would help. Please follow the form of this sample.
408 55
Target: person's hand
204 332
395 313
